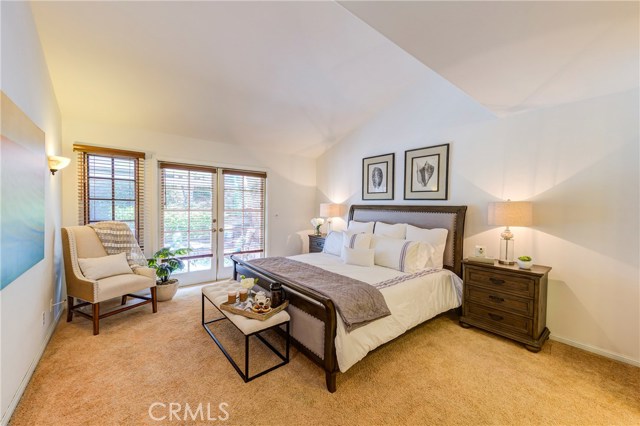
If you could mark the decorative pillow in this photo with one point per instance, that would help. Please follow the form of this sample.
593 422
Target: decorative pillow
402 255
357 241
96 268
333 243
436 237
399 230
358 257
360 227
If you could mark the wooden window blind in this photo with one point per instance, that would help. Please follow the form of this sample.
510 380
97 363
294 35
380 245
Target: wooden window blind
244 212
111 187
187 211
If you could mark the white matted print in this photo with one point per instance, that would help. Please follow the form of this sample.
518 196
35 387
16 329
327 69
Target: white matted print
377 177
426 173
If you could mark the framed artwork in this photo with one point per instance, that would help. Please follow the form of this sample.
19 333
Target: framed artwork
426 173
377 177
23 167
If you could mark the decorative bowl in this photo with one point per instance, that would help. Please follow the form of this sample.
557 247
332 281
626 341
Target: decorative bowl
525 264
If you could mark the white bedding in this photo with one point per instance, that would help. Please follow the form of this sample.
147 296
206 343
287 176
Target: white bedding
410 302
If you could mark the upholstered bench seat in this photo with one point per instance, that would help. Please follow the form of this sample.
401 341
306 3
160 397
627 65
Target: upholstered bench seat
217 294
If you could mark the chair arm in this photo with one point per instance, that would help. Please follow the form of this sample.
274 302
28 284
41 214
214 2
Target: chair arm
147 272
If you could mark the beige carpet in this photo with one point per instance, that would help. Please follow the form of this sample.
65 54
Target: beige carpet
438 373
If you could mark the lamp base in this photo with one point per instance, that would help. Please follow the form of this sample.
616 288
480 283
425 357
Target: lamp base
506 251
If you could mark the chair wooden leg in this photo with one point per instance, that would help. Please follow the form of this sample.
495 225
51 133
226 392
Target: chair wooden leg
154 299
96 318
124 300
69 308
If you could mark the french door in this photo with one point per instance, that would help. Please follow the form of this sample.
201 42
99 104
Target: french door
215 212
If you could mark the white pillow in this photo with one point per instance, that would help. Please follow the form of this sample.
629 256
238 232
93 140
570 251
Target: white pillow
399 230
96 268
333 243
358 257
436 237
402 255
360 227
357 241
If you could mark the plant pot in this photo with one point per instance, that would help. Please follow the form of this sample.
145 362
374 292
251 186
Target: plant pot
525 264
166 291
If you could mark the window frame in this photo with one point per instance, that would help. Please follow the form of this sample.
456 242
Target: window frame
84 152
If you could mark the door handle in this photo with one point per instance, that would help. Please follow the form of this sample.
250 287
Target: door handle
220 229
214 230
214 220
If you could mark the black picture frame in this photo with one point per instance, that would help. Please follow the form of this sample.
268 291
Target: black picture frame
378 177
426 173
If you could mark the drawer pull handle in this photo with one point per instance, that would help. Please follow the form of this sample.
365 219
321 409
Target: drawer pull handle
496 317
496 281
496 298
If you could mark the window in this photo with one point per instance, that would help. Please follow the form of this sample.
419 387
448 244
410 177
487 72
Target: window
244 213
187 217
111 187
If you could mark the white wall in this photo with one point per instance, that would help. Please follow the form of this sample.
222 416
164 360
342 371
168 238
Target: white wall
578 163
290 179
25 79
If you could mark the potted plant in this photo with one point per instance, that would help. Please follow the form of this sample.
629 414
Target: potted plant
317 222
166 262
525 262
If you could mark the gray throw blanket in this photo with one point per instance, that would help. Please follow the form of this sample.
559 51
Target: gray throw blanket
357 303
116 237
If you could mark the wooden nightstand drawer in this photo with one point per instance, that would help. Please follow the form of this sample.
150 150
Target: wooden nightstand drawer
495 280
503 301
316 243
498 318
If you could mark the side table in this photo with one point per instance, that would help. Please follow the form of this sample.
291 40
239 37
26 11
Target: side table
316 243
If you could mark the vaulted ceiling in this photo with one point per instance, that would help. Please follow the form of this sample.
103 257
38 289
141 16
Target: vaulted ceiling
296 77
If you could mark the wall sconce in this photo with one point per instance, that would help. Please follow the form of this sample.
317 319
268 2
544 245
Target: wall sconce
57 163
509 213
330 210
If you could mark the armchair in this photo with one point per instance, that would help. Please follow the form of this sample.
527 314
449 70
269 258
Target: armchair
83 242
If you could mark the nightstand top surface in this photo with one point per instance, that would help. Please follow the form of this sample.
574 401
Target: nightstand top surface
535 269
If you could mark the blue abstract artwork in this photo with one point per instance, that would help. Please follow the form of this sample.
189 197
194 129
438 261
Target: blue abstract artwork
22 208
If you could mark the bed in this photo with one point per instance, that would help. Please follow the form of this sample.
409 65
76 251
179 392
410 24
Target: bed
317 329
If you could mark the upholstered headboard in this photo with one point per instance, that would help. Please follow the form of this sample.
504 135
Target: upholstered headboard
448 217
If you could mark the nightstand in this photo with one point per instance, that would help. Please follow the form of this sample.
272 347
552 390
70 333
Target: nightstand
316 243
507 300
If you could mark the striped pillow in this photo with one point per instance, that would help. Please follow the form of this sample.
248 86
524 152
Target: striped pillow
402 255
357 241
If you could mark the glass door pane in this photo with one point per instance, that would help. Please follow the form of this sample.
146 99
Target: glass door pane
243 214
188 219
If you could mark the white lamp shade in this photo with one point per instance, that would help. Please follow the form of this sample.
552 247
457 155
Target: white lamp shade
511 213
329 210
58 163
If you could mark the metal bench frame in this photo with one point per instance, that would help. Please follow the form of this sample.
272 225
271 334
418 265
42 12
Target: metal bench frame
245 375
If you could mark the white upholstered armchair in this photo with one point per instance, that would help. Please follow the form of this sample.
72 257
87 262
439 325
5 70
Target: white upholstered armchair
107 279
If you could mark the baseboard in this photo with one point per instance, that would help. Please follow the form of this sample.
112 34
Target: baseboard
27 377
595 350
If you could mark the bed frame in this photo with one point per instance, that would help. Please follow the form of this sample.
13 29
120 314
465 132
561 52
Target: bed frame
313 315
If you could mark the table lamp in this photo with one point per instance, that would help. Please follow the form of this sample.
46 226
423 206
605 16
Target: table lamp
329 210
509 213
